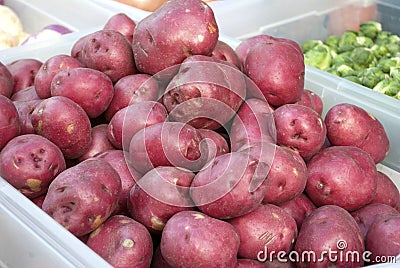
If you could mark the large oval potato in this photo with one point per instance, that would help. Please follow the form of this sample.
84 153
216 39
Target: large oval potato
82 197
193 239
122 242
157 47
30 163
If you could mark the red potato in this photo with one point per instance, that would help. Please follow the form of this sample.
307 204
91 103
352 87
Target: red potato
9 121
383 238
205 93
24 72
38 201
65 123
277 68
99 142
333 173
312 100
264 230
128 176
329 229
254 122
25 110
49 69
348 124
107 51
386 191
30 163
158 195
122 23
193 239
366 215
243 48
6 81
300 128
132 89
215 144
122 242
287 176
158 260
223 51
156 47
129 120
26 94
82 197
166 144
249 263
299 208
231 185
91 89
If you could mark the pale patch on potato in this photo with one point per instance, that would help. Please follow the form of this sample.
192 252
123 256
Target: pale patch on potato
175 180
96 199
39 126
200 38
276 216
320 123
70 128
97 221
211 28
198 216
124 221
34 184
156 223
15 164
95 232
187 10
187 228
286 231
40 111
128 243
295 171
370 115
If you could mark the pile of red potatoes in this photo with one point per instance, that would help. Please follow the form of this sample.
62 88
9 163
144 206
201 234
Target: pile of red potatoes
159 145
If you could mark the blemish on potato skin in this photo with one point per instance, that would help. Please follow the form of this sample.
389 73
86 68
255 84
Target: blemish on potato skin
372 117
211 28
128 243
198 216
156 223
97 221
124 221
96 199
70 128
295 171
95 232
34 184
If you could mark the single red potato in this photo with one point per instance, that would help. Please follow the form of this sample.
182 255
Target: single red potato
65 123
254 122
334 171
26 94
99 142
231 185
122 23
312 100
30 163
158 195
129 120
215 144
49 69
128 176
300 128
9 121
157 47
25 110
82 197
122 242
386 191
166 144
223 51
348 124
132 89
329 229
267 228
24 72
91 89
6 81
193 239
299 208
277 68
366 215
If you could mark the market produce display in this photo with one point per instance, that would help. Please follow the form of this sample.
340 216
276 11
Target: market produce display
175 149
369 56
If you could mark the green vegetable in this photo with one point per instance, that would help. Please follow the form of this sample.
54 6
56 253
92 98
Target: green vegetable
345 70
343 58
363 41
370 29
347 41
380 51
310 44
353 78
319 57
388 86
333 42
362 57
386 63
370 77
395 73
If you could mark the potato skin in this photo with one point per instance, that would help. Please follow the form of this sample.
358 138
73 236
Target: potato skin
49 69
214 143
156 47
24 72
30 162
386 191
25 109
6 81
193 239
99 144
91 89
334 171
312 100
268 226
348 124
83 196
9 121
229 186
122 242
223 51
26 94
122 23
323 230
65 123
300 128
299 208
